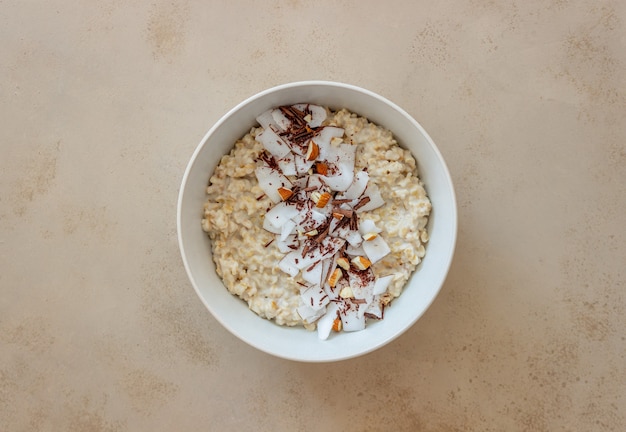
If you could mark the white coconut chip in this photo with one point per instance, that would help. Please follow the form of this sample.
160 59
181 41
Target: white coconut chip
375 308
266 119
325 323
376 200
290 244
287 229
356 189
270 180
368 226
279 215
314 297
376 249
323 140
288 263
308 314
318 113
313 273
273 143
287 164
381 284
351 320
280 119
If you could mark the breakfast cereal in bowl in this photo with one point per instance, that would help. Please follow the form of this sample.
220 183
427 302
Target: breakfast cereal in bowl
316 221
317 218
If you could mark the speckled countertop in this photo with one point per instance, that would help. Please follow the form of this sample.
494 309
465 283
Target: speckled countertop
102 104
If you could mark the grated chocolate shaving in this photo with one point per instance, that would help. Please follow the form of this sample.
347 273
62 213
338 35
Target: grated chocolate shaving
361 202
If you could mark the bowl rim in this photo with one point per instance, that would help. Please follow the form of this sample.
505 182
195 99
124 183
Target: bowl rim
275 89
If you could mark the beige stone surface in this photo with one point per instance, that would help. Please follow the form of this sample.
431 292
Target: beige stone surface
102 104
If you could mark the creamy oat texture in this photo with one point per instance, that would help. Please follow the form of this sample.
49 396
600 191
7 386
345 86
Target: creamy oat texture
244 253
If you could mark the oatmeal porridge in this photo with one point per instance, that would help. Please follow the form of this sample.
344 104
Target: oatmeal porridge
316 218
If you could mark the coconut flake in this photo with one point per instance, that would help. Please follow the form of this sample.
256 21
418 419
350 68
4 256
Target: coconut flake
375 199
270 179
323 140
352 320
266 119
287 229
362 284
281 119
290 244
273 143
315 297
356 189
280 214
309 314
375 309
313 273
289 263
355 251
341 159
368 226
318 113
302 165
325 323
287 164
381 284
376 249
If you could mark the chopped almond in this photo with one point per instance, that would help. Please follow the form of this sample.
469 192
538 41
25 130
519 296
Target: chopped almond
311 233
343 263
346 292
337 325
321 168
370 236
361 262
337 215
313 151
285 193
322 200
334 277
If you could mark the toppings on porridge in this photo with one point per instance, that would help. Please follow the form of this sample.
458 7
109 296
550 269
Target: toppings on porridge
337 209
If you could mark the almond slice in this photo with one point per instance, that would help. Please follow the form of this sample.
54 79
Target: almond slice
285 193
334 277
313 151
361 263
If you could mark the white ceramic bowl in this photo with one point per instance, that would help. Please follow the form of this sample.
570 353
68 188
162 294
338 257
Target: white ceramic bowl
298 343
